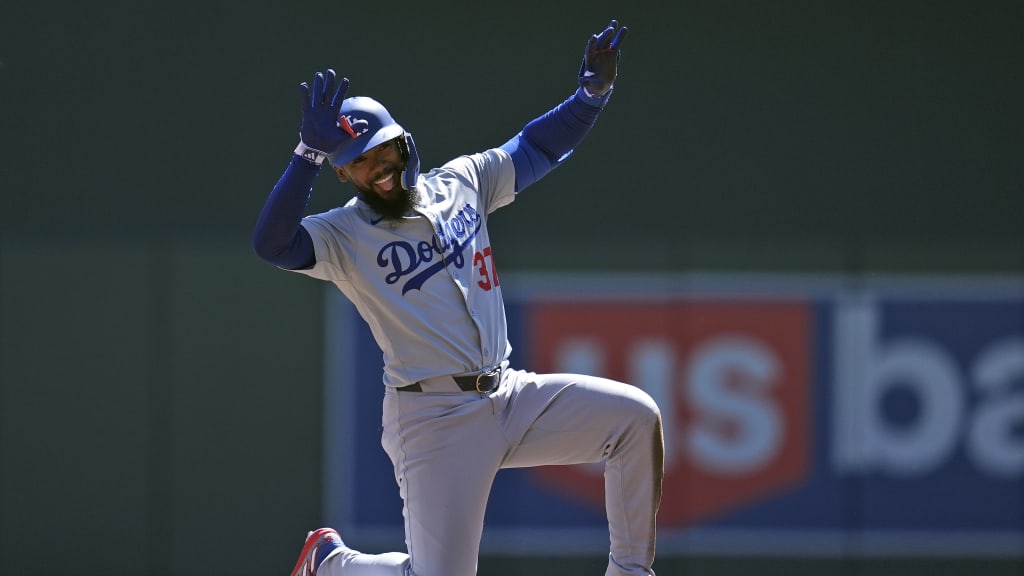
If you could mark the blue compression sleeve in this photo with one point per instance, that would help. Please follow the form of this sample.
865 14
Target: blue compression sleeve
279 237
549 139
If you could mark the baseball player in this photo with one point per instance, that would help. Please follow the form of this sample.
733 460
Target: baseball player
412 252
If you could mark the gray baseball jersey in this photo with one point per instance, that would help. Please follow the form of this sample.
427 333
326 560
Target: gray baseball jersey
426 284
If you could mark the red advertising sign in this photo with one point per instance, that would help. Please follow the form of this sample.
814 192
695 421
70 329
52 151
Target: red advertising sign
731 378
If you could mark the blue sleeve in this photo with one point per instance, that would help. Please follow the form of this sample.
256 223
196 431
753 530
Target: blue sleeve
549 139
279 237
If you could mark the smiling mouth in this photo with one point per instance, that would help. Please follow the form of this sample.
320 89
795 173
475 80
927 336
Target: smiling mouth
386 183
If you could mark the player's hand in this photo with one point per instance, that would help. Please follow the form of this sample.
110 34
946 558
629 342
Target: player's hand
601 59
321 108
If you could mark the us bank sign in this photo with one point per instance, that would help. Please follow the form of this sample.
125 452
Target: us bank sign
803 415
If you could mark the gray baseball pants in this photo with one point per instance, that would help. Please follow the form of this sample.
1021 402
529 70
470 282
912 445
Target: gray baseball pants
448 445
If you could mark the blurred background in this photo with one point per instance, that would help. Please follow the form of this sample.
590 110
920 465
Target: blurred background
162 391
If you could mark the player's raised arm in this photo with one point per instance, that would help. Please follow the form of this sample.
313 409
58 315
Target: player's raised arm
548 140
279 237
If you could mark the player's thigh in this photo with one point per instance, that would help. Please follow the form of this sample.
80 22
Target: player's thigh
572 418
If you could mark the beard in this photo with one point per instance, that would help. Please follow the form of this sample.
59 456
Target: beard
393 208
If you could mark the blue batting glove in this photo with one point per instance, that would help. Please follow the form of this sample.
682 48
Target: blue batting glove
601 59
321 133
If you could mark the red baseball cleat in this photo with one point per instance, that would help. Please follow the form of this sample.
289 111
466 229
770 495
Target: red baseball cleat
319 544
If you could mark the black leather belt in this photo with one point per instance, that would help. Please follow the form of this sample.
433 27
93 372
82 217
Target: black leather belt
483 382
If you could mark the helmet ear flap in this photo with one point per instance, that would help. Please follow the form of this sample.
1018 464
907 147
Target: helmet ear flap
412 161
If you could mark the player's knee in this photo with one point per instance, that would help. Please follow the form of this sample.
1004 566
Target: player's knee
646 424
649 419
646 410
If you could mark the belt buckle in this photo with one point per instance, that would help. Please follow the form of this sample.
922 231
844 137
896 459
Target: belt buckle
488 374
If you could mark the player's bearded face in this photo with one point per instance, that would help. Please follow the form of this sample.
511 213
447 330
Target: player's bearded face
377 176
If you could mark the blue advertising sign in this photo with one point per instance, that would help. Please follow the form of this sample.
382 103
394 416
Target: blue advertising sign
802 415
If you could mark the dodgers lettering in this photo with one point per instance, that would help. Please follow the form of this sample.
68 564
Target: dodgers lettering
452 236
402 258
